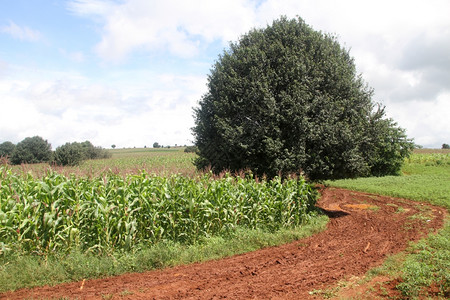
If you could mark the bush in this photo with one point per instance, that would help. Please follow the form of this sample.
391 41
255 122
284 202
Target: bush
70 154
89 151
73 153
190 149
32 150
6 148
287 98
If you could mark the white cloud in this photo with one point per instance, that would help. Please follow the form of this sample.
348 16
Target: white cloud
400 47
426 121
23 33
178 27
123 113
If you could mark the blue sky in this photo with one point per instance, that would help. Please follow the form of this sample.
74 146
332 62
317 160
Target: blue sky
129 72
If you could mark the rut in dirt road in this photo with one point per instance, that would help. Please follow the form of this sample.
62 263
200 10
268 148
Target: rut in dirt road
362 231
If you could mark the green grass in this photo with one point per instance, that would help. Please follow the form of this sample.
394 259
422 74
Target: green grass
27 271
426 178
428 265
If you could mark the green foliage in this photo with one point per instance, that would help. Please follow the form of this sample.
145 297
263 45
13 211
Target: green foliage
71 154
156 145
287 98
428 264
32 150
116 212
89 151
385 146
191 149
20 268
445 146
6 148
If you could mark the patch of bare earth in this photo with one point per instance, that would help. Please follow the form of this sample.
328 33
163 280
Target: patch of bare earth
362 231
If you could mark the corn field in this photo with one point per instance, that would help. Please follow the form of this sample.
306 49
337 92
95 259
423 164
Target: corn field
430 159
114 212
163 162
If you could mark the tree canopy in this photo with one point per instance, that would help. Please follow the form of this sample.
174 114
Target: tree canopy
6 148
287 98
74 153
32 150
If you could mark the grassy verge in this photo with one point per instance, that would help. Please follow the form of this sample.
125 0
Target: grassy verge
429 184
423 268
21 271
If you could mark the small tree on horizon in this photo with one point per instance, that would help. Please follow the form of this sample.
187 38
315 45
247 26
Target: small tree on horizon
445 146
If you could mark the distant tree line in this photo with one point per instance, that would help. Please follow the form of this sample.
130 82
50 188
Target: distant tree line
156 145
37 150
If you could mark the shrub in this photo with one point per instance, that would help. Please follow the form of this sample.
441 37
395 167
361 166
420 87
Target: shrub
92 152
190 149
6 148
32 150
70 154
73 153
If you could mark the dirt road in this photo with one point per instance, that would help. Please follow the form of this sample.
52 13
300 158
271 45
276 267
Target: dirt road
362 231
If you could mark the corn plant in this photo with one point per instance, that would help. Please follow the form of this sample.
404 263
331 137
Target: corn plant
111 212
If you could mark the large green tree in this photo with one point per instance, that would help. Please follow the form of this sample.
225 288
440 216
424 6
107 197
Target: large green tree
32 150
286 99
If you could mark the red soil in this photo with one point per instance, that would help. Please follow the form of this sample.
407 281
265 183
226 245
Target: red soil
362 231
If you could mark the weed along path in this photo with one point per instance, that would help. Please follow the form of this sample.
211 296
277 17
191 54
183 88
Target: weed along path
362 231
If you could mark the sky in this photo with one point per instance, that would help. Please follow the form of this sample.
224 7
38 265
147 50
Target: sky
129 73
